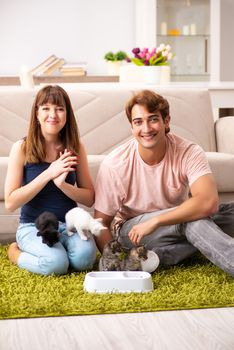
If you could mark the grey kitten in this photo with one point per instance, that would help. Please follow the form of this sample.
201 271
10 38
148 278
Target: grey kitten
135 255
116 258
112 257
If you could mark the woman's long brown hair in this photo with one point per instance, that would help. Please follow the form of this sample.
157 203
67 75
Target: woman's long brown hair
34 143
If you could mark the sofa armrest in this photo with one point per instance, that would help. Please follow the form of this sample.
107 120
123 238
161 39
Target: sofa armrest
222 166
3 171
224 134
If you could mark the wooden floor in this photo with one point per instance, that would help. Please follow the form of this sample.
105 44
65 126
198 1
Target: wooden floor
210 329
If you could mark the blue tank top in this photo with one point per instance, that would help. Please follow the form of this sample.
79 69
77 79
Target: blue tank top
50 198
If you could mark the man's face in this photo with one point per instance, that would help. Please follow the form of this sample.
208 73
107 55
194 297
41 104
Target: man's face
148 128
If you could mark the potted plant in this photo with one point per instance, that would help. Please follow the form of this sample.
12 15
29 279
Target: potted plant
114 60
153 60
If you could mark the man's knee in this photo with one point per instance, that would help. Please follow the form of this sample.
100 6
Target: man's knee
224 218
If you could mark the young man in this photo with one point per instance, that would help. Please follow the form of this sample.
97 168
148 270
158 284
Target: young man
160 188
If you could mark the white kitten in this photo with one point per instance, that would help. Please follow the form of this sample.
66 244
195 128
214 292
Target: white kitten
78 219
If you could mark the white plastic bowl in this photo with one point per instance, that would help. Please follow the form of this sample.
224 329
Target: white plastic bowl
151 264
118 282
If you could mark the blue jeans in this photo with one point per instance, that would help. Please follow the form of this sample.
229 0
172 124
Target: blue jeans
213 237
70 251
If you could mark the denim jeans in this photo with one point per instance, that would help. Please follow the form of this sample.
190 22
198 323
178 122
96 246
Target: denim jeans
213 237
70 251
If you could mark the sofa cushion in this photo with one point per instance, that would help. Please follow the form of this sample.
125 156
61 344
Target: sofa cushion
101 116
103 125
15 107
191 115
94 163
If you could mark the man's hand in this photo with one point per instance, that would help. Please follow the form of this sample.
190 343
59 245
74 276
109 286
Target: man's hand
140 230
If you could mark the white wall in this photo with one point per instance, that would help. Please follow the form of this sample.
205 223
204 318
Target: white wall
145 28
226 40
76 30
84 30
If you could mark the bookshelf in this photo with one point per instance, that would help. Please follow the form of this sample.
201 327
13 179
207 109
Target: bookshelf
55 70
51 79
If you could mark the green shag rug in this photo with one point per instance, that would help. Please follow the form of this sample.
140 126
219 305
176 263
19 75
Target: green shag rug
194 284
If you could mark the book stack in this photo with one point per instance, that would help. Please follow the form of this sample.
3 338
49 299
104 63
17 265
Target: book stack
49 66
56 65
73 69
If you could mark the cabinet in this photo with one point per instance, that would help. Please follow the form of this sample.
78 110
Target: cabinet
185 26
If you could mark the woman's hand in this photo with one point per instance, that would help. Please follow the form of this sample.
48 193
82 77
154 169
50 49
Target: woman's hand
140 230
83 191
59 180
59 169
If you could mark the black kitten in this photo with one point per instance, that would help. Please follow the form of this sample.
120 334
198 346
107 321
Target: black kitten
47 224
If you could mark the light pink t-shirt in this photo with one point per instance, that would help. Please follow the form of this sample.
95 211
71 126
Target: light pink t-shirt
128 186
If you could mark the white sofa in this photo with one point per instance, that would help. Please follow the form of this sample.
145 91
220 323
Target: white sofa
103 125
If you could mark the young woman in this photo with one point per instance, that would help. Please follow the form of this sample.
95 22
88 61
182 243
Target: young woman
48 171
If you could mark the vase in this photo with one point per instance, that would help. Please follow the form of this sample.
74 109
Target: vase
165 75
113 67
130 73
26 78
152 74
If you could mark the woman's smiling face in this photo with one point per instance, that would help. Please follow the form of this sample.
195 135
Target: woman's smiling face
52 118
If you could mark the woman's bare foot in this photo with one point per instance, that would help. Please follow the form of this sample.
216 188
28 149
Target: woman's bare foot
13 252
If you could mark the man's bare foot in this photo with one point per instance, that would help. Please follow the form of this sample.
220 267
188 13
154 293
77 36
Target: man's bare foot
13 252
